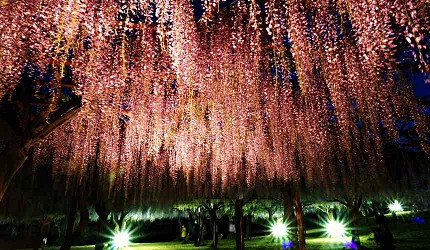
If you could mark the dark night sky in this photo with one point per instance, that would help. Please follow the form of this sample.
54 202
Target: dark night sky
198 10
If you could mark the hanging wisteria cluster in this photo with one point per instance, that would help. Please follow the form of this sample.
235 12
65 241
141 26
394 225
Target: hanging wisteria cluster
246 94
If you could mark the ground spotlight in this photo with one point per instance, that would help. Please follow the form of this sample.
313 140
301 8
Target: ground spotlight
396 206
279 229
121 240
335 229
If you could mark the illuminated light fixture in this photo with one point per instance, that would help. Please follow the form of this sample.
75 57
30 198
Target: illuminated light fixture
335 229
287 244
350 245
396 206
279 229
121 240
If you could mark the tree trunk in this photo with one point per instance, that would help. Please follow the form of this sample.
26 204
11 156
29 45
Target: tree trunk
354 207
70 223
212 209
238 217
270 212
198 240
121 222
190 218
299 218
355 216
101 224
17 146
214 232
12 155
248 226
180 228
12 159
354 204
288 206
84 215
289 213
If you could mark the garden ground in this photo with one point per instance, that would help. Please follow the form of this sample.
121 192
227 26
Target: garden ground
408 235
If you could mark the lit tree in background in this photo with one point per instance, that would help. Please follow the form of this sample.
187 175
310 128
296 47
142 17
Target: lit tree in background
256 95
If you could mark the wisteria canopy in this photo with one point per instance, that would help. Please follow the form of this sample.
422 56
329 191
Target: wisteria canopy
256 93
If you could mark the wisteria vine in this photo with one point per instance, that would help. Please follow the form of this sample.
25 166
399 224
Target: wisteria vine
242 96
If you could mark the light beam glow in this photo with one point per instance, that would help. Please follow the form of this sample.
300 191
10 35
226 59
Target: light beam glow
396 206
279 229
335 229
121 240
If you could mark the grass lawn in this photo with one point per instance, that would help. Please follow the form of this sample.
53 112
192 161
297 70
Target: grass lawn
263 242
408 237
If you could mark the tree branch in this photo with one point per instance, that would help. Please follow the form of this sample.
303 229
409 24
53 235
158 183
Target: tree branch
306 204
191 212
339 201
44 131
358 201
